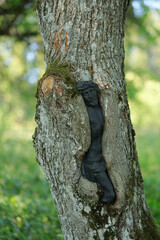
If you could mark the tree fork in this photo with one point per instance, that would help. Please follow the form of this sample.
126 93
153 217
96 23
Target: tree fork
83 41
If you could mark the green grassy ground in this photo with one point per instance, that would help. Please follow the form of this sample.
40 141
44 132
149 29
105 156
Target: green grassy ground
26 207
148 146
27 211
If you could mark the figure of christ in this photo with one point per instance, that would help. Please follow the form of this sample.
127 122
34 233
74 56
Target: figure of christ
93 164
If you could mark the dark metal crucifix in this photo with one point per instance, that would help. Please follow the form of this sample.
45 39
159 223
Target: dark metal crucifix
93 164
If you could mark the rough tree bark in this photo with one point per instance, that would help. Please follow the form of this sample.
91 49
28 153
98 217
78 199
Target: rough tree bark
83 40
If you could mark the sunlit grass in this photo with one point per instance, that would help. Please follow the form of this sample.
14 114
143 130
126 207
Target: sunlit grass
145 112
145 107
148 145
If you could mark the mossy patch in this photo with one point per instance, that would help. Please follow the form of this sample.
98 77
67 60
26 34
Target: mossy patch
109 233
65 72
37 2
150 230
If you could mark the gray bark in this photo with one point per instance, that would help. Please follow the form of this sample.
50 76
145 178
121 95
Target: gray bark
88 36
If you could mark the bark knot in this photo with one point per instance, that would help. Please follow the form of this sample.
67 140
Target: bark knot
47 85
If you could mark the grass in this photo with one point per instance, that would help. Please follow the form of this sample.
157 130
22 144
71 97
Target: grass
26 206
148 146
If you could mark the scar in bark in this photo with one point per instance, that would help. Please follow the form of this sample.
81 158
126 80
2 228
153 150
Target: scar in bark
47 85
93 163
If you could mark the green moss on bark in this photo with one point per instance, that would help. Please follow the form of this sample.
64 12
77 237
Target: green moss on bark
65 72
150 230
36 5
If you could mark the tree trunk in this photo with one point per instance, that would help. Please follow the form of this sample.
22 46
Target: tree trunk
83 41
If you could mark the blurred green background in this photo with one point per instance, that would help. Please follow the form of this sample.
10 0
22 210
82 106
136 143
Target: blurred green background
26 207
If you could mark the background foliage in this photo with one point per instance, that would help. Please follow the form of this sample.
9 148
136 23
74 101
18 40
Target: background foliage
26 206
